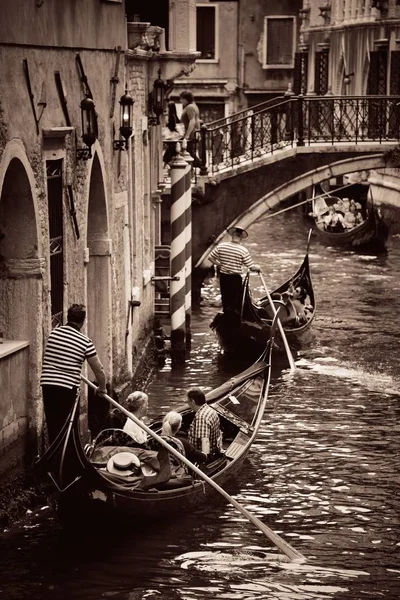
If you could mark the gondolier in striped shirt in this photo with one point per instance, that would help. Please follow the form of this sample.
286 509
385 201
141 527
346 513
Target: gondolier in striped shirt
66 351
231 257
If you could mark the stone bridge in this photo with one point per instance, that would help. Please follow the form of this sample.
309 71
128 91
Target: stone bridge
255 159
243 194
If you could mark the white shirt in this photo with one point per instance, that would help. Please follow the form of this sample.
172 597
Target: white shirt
138 434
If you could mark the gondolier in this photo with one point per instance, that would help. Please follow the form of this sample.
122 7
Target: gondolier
66 350
231 257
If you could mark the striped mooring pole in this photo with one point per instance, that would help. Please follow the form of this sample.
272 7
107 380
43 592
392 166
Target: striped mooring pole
178 258
188 242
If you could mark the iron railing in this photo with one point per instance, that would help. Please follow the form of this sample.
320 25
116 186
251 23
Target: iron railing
298 120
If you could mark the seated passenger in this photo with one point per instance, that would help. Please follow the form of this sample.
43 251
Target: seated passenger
345 205
334 221
352 217
339 206
300 304
171 425
204 431
137 404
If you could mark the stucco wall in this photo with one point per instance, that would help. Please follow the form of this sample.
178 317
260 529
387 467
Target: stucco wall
227 63
71 23
111 190
252 26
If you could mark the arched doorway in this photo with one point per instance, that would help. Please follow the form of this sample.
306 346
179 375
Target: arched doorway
21 311
98 268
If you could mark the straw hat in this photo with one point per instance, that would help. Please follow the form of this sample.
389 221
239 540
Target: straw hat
123 464
238 231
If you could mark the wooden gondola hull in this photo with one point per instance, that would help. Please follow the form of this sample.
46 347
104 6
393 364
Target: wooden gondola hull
89 494
247 334
110 506
372 234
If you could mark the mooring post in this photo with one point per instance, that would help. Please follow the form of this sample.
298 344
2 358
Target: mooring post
178 258
188 241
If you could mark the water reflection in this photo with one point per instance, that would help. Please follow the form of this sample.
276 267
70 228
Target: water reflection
324 473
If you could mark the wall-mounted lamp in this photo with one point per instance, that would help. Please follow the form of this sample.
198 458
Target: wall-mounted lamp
157 98
347 78
89 128
126 121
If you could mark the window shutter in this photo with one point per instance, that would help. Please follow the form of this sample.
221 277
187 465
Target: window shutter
279 49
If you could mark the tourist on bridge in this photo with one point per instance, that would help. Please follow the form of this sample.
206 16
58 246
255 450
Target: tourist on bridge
231 258
66 351
190 118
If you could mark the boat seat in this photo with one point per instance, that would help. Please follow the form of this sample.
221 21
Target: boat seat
174 483
236 448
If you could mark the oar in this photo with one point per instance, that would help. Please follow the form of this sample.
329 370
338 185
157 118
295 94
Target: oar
274 537
281 330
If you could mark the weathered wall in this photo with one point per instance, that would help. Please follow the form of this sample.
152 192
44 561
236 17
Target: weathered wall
111 191
226 65
14 414
94 24
252 37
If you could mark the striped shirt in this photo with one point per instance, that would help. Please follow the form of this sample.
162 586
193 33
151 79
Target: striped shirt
66 350
232 257
205 425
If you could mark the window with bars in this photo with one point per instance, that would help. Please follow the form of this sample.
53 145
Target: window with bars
206 31
321 72
55 212
279 42
377 73
300 76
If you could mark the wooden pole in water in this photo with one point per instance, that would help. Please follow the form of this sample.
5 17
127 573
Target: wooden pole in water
178 248
293 554
188 242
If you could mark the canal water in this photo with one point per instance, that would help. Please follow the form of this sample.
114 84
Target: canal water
324 472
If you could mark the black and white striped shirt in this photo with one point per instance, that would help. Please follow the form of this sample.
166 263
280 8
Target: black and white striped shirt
66 350
232 256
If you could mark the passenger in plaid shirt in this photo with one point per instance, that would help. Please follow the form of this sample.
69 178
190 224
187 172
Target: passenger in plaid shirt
204 432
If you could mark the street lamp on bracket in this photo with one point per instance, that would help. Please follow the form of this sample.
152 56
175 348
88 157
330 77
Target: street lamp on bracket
89 128
126 121
157 99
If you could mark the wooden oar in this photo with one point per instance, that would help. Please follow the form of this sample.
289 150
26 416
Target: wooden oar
274 537
281 330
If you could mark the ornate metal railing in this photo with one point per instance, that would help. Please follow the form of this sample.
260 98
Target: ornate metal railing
298 120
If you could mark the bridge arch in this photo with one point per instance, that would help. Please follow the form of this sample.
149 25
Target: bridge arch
276 196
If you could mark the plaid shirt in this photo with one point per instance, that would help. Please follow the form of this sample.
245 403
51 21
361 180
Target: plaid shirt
205 425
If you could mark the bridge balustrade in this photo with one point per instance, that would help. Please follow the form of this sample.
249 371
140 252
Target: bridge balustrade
297 121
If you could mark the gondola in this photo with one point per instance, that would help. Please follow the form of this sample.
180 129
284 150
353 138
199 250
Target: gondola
245 331
88 491
371 234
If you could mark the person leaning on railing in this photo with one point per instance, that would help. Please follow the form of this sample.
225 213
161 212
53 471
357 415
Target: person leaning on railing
190 118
